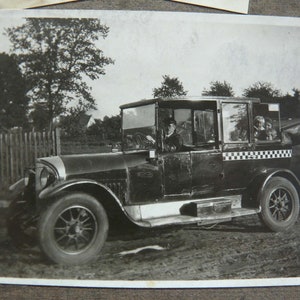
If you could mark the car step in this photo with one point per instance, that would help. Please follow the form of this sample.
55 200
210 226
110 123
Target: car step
214 208
185 219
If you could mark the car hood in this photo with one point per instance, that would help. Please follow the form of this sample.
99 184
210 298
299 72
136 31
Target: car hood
75 165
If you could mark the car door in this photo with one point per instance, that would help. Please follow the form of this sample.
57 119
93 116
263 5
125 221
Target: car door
206 158
238 150
176 170
176 163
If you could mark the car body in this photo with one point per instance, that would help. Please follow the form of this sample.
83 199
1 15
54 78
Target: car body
226 167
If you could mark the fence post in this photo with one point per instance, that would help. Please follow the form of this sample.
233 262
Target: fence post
57 141
1 161
7 169
11 154
19 150
22 151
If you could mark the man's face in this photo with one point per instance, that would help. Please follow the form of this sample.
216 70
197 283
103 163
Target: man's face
171 128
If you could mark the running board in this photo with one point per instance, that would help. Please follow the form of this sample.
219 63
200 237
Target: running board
209 219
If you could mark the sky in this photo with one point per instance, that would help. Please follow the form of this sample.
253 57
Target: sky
196 48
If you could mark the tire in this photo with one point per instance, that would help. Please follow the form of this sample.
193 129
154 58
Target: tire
73 230
279 204
21 225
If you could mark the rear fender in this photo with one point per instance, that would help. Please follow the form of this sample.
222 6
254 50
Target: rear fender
258 184
287 174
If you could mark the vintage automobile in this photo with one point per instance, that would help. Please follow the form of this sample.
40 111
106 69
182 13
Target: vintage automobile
233 161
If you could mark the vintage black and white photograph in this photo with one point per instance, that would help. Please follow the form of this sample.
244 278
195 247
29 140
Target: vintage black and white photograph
149 146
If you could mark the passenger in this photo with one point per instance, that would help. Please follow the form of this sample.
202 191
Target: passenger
271 133
259 128
173 141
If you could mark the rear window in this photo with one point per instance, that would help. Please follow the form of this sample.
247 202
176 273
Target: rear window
266 125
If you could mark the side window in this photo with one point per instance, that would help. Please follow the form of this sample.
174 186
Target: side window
266 122
174 129
183 118
204 127
235 122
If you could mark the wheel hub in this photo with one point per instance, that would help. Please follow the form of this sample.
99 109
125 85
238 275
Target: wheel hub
280 204
75 229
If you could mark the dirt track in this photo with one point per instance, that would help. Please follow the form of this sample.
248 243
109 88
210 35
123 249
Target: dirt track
235 250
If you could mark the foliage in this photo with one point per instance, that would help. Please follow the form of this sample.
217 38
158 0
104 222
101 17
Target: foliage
13 100
218 88
262 90
74 123
170 88
290 104
38 115
107 129
57 55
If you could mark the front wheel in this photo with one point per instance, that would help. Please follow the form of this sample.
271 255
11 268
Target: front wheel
279 204
73 229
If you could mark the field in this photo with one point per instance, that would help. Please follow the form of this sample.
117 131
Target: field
239 249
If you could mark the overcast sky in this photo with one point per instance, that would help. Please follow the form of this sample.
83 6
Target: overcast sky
196 48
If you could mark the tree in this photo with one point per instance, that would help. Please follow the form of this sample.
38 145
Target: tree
74 123
296 94
218 88
38 115
289 104
13 100
170 88
108 129
262 90
57 55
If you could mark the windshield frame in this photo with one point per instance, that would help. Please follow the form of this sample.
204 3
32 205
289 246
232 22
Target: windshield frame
151 127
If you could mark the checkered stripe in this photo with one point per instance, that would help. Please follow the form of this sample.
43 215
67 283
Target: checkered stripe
249 155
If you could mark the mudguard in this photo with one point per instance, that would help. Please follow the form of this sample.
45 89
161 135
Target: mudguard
18 187
52 191
258 184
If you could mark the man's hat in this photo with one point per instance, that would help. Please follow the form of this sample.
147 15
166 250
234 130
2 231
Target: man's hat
169 121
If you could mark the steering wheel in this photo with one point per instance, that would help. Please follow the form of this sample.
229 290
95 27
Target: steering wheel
143 140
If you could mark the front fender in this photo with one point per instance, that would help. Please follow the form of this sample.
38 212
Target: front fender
92 187
54 190
17 188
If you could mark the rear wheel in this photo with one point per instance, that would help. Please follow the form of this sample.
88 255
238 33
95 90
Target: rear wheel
279 204
73 230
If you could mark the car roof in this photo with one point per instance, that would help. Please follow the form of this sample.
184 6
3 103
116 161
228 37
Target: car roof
189 100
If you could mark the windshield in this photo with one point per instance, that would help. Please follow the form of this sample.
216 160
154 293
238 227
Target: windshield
137 117
139 128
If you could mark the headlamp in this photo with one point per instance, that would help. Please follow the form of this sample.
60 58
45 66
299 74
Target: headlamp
46 177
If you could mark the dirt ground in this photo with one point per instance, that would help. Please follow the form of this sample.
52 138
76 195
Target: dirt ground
239 249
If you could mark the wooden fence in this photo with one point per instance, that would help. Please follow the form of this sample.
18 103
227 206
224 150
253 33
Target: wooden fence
19 150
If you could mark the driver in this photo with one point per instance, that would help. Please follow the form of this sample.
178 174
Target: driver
173 141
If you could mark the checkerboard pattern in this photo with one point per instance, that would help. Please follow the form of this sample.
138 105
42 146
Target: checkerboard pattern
249 155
